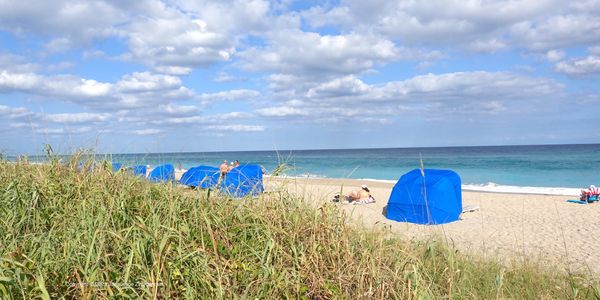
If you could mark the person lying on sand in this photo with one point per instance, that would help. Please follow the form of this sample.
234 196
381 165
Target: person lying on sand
362 196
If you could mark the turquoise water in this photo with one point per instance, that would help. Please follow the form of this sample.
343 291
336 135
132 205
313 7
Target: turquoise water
571 166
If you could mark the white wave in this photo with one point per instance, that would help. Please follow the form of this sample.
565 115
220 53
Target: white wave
496 188
379 180
299 176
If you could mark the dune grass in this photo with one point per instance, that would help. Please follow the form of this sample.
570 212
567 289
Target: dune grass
66 233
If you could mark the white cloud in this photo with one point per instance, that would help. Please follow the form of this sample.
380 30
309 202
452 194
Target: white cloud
147 82
482 26
595 50
76 117
460 93
140 89
557 31
345 86
148 131
488 46
176 43
580 66
10 81
64 130
237 128
237 16
309 53
555 55
178 110
230 95
13 112
224 77
281 111
63 65
69 21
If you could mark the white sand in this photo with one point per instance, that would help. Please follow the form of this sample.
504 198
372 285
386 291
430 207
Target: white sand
507 227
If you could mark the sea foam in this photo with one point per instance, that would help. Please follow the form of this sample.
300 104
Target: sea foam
491 187
496 188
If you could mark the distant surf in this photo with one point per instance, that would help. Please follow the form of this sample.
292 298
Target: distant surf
496 188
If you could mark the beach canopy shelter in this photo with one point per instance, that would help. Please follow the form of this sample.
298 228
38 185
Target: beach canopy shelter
428 197
140 170
242 181
116 166
201 176
162 173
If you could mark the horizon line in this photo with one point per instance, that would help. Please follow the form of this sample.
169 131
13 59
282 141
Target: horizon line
320 149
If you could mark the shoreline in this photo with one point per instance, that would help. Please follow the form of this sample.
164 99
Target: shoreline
483 188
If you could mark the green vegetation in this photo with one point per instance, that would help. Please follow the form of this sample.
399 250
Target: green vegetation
97 234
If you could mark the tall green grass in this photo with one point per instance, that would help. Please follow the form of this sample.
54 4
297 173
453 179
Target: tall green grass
98 234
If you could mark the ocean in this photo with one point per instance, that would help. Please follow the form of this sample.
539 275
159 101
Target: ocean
547 169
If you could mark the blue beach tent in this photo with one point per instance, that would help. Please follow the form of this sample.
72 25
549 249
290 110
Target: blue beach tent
243 180
140 170
201 176
435 198
116 166
162 173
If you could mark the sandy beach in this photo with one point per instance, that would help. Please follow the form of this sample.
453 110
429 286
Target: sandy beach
507 227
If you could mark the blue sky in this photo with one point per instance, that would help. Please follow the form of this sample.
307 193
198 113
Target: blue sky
183 75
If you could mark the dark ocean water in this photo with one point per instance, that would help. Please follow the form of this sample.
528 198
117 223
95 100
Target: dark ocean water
566 166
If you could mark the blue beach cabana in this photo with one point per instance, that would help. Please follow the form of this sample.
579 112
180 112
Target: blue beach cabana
116 166
162 173
431 197
243 181
201 176
140 170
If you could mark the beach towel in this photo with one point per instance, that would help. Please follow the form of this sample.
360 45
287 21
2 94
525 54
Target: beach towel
364 201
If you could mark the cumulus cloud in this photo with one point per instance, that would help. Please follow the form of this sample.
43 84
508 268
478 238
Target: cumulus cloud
13 112
282 111
474 93
76 117
224 77
146 82
65 21
64 130
176 44
237 128
242 94
148 131
309 53
140 89
557 31
580 66
554 55
483 26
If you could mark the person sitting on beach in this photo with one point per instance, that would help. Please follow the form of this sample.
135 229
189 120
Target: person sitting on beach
590 195
236 163
224 168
